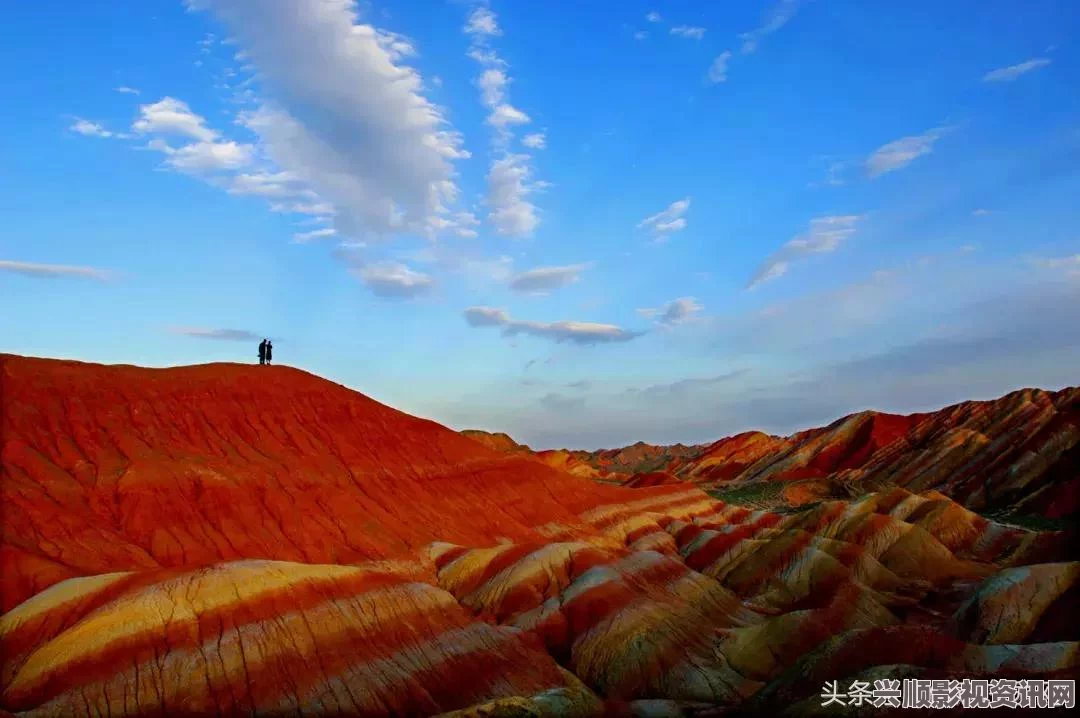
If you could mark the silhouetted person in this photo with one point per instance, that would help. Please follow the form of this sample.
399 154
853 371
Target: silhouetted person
269 351
262 352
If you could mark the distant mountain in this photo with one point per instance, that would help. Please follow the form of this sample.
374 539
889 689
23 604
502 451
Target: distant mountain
1019 454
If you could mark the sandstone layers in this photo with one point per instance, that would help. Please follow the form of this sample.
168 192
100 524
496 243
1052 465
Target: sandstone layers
232 540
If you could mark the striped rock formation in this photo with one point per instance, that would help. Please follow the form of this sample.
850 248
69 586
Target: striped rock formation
225 540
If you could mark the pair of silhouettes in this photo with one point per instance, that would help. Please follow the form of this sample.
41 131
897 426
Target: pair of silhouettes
266 351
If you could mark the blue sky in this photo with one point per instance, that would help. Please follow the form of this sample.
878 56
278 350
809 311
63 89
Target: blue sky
581 223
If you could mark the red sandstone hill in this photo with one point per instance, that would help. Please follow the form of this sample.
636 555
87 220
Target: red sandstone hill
112 468
232 540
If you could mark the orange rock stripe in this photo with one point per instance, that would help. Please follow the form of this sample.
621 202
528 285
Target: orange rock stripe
78 659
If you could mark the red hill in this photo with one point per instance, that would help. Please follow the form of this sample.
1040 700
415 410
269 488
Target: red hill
111 468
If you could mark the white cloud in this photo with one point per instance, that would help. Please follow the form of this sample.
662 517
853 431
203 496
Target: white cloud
482 21
505 115
53 271
485 56
90 129
396 46
653 17
980 212
1008 74
640 35
313 208
508 178
394 280
677 311
824 235
544 279
719 67
492 82
512 214
230 335
777 16
275 185
535 141
206 157
1069 265
170 116
902 152
690 32
669 220
302 237
125 90
583 333
345 118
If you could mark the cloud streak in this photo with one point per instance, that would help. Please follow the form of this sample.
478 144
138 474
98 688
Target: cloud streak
677 311
1008 74
900 153
775 18
544 279
225 335
825 234
581 333
719 67
54 271
668 221
90 129
689 32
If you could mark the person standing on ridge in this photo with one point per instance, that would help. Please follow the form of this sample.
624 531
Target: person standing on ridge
269 351
262 352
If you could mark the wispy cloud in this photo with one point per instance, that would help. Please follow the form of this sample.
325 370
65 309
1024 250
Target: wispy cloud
125 90
640 35
199 158
90 129
775 18
677 311
824 235
560 403
653 17
1069 265
509 186
394 280
509 178
719 67
584 333
1008 74
689 32
535 141
545 279
301 237
54 271
980 212
671 219
227 335
902 152
692 385
482 21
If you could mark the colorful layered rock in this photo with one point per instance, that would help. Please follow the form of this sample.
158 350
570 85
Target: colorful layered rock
227 540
